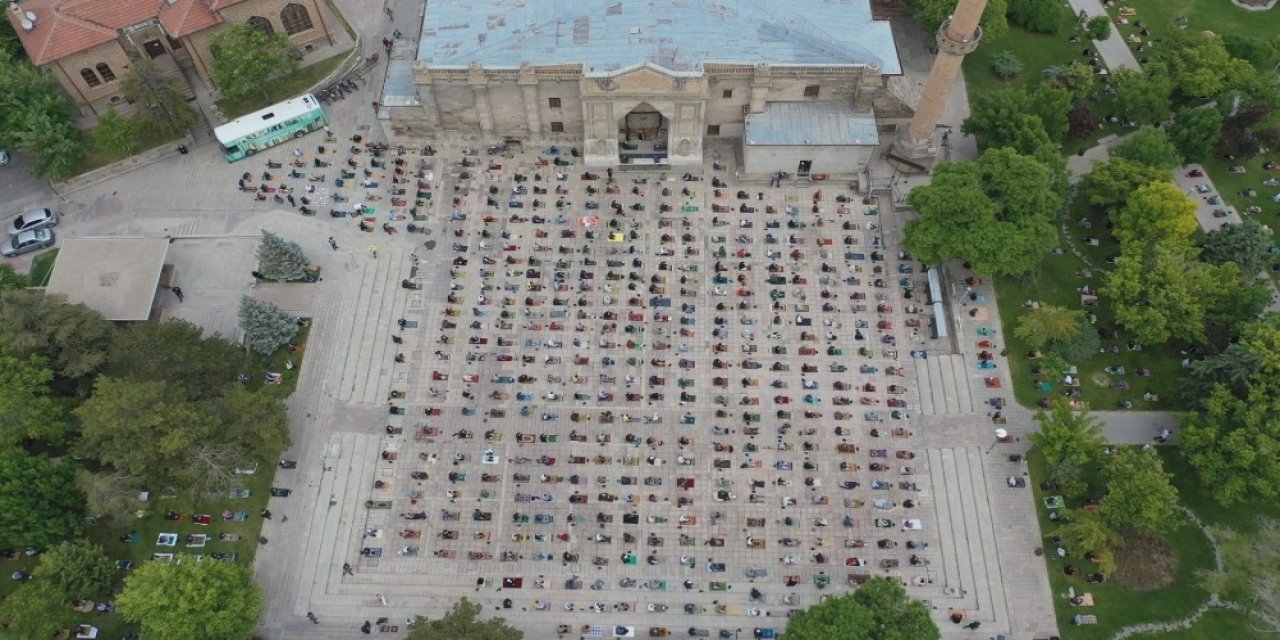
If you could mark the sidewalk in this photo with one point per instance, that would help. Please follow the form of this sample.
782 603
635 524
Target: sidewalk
1114 51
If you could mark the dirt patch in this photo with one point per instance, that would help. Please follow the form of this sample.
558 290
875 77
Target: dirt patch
1101 379
1146 562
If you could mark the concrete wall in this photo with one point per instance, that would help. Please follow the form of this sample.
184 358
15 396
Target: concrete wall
93 100
839 160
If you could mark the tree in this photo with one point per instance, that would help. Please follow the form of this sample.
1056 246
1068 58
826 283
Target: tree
37 118
39 502
1240 132
1253 50
1194 132
1236 309
463 623
116 134
1098 27
1086 531
175 601
1084 344
145 429
1160 290
1251 359
199 366
1139 491
995 212
35 610
1228 442
1198 63
1038 16
1046 323
1109 184
78 570
27 410
1006 65
996 116
1247 244
252 428
932 13
266 326
1141 98
281 259
1068 439
1155 212
10 279
73 337
245 57
164 108
878 610
1083 121
110 495
1251 572
1150 146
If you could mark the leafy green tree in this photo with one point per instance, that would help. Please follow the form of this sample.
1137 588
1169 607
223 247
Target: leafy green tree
1247 244
1251 359
1038 16
996 116
1088 533
181 600
995 212
1161 290
1046 323
1141 98
9 43
463 623
1198 63
1110 183
1098 27
116 134
73 337
281 259
1068 439
1139 491
1078 80
878 610
39 502
35 610
1156 212
27 409
1150 146
266 326
200 366
1082 345
11 280
110 495
1226 320
1006 65
164 108
1253 50
37 118
146 429
1194 132
1240 133
932 13
1230 439
252 428
78 570
246 57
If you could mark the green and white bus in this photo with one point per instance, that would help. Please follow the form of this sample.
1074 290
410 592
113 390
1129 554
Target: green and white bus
269 127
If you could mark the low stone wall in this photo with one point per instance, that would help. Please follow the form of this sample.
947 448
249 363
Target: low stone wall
1254 5
132 163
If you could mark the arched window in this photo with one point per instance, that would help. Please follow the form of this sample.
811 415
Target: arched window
90 78
262 23
105 72
296 19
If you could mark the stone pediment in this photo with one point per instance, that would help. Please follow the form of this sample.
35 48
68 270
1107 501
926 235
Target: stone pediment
644 79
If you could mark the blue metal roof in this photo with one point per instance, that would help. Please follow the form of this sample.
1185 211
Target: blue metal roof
680 35
820 122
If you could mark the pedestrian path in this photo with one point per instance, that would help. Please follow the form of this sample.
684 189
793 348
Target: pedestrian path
944 385
1115 52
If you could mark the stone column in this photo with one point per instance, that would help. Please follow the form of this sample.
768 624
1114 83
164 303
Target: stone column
761 81
957 37
480 87
529 93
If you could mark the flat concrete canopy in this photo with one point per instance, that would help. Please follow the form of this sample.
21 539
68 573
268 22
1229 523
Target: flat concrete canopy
114 276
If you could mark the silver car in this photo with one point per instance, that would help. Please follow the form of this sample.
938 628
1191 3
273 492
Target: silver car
26 242
32 220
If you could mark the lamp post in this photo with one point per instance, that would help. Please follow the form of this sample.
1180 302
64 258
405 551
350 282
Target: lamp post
1001 434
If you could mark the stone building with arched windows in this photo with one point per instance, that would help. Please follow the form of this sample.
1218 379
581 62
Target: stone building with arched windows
88 45
800 85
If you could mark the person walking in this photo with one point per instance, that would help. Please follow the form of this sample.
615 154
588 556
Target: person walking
373 251
333 243
292 202
312 617
346 569
177 291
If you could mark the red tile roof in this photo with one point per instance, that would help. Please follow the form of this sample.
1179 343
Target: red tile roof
64 27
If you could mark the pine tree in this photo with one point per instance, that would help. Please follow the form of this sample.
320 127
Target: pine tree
267 326
280 259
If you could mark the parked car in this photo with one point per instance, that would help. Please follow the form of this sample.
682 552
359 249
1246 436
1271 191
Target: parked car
4 157
32 220
26 242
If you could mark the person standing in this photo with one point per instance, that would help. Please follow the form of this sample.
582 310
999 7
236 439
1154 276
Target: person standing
177 291
373 251
333 244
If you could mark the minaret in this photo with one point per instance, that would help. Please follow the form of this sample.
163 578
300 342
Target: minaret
957 37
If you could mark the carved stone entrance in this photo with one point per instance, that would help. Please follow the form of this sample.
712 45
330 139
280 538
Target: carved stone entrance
643 115
643 136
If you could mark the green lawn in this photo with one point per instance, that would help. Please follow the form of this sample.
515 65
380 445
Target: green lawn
1220 17
1215 625
42 266
96 157
282 88
1117 605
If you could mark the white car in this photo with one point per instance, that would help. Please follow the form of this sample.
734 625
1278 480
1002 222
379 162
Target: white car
26 242
4 157
32 220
